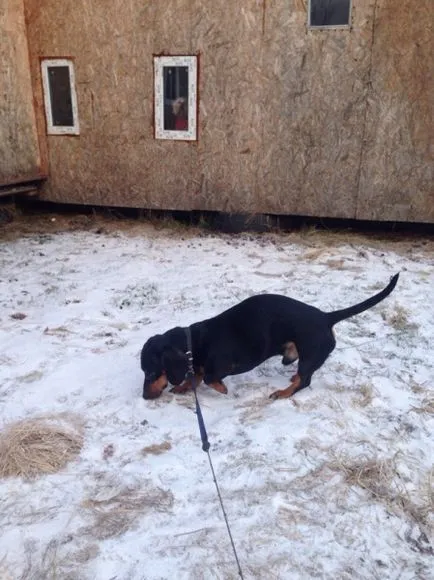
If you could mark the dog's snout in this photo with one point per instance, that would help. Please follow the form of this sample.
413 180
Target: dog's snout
153 389
148 394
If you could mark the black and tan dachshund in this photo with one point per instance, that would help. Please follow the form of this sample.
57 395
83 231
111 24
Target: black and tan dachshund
241 338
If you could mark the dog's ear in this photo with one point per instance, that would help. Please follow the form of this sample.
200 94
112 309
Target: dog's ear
172 356
162 350
152 350
175 364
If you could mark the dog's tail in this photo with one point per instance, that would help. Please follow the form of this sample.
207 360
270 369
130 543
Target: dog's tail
338 315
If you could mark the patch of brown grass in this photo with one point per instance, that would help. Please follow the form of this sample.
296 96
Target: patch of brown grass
372 474
380 479
314 254
364 396
426 406
336 264
399 320
114 507
58 560
39 445
416 387
157 448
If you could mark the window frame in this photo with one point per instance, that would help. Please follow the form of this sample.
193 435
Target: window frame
192 64
330 26
52 129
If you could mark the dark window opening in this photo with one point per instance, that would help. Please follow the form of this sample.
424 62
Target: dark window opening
175 82
60 96
329 12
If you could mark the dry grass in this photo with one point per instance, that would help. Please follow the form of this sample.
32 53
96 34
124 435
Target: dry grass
157 448
4 570
336 264
58 560
314 254
114 506
371 474
381 480
399 320
364 396
426 406
252 411
101 222
40 445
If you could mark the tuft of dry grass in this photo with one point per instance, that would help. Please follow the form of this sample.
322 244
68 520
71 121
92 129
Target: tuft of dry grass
58 560
371 474
399 320
426 406
114 507
314 254
381 480
416 387
157 448
336 264
39 445
364 396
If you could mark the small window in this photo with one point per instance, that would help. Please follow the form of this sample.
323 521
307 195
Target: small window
334 13
175 94
59 96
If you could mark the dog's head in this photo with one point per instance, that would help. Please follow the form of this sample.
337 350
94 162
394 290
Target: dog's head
179 106
163 360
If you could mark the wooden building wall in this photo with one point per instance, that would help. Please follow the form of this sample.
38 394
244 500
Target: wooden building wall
19 149
332 123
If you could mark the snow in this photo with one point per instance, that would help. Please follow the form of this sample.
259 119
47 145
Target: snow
92 299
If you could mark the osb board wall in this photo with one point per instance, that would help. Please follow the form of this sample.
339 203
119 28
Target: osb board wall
19 153
397 177
313 110
289 121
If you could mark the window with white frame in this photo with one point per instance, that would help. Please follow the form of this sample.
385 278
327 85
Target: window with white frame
60 97
175 97
329 13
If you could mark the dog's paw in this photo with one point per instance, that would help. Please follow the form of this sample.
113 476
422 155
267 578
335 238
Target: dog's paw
180 389
220 387
277 395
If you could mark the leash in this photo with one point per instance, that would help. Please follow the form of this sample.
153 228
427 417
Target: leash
205 443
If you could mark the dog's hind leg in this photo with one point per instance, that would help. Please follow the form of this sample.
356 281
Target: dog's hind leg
289 391
219 386
306 368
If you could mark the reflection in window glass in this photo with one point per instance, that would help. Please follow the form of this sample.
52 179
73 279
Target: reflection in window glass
175 79
60 96
329 12
175 97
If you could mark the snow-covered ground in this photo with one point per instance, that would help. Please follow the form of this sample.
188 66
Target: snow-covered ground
335 483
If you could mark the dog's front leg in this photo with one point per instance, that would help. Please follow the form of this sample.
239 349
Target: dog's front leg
187 385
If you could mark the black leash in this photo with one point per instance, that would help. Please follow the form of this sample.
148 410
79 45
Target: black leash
205 443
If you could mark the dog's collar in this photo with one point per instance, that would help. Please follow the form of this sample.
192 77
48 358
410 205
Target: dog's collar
189 353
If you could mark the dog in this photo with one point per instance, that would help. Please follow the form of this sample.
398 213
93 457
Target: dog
244 336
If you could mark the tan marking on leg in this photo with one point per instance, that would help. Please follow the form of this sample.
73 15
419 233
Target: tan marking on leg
288 392
181 389
290 351
220 387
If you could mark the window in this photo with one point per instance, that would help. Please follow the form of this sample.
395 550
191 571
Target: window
175 95
59 96
335 13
